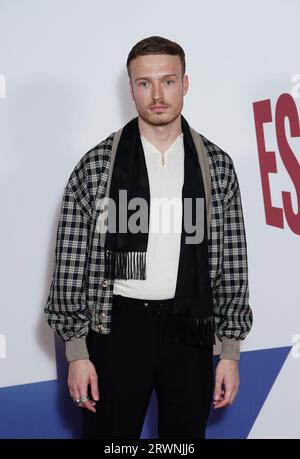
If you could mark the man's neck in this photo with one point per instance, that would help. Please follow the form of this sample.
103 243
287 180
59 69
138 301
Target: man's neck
160 136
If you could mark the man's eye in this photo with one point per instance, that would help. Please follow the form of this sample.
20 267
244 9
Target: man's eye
169 81
143 83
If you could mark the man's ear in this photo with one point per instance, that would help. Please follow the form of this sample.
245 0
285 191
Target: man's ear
131 88
185 84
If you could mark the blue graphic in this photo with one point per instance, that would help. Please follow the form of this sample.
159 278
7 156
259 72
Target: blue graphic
45 410
258 372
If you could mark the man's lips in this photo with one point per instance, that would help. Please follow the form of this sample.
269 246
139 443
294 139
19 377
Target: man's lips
158 108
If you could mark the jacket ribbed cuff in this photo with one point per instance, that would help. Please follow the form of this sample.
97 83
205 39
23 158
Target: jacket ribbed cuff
76 349
230 349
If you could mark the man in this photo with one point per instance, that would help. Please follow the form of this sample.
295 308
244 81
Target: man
139 309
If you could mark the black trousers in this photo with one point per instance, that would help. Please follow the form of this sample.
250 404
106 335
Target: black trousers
137 356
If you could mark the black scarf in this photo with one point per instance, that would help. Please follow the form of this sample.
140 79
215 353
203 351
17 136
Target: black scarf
125 252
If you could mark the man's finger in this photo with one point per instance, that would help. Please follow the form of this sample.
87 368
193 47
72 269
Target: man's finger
72 394
220 398
233 395
218 390
228 394
89 405
94 388
76 396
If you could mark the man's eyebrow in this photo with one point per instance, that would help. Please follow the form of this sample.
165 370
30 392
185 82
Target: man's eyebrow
164 76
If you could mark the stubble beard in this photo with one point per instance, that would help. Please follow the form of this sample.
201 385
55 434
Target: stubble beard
159 119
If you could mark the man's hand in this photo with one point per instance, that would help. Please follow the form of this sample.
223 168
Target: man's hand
227 375
81 374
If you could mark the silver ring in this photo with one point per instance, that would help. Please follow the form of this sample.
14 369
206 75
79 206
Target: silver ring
82 399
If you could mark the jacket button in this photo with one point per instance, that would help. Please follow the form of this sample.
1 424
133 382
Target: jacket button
104 283
100 327
103 314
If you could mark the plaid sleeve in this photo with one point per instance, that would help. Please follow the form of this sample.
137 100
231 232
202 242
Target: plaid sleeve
233 312
65 308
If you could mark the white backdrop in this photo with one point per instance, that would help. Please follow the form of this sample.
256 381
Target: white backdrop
64 88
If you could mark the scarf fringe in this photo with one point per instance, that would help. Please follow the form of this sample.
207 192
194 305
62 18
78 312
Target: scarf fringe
194 330
125 265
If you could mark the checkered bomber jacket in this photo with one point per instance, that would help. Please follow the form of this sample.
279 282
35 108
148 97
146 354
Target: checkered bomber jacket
81 298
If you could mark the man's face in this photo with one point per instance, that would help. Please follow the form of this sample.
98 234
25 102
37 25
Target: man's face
157 87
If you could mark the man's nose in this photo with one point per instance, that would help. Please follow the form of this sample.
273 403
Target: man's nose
156 92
